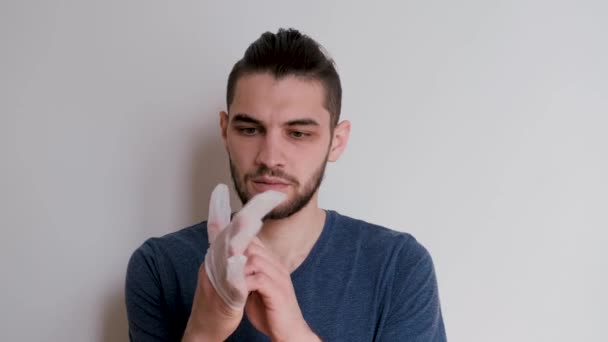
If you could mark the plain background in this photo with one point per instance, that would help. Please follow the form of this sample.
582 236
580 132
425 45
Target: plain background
478 126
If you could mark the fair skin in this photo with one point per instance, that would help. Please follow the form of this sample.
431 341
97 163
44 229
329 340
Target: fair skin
281 125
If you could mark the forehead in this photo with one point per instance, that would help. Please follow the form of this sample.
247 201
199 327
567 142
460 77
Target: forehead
272 100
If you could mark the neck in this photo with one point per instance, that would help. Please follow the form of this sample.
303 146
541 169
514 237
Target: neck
291 239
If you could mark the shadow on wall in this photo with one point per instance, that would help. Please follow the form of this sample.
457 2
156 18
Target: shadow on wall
209 166
115 318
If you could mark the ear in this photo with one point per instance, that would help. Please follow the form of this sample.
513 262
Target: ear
339 140
224 125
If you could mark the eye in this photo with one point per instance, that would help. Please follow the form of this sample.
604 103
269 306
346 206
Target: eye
247 130
298 134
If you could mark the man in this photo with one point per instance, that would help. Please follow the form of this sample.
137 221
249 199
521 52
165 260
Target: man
309 274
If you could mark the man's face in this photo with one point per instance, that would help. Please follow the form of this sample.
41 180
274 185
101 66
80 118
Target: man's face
278 137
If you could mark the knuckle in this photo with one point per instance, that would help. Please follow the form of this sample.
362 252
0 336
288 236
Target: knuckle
255 261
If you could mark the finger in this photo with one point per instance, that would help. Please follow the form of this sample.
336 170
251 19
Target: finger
251 216
235 276
259 264
219 211
262 204
256 251
261 283
239 236
256 240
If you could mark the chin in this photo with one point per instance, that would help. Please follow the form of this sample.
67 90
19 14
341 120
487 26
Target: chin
280 213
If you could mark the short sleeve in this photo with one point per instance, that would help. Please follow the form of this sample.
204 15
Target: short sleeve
415 311
144 300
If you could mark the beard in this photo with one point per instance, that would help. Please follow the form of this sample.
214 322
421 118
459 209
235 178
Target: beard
294 205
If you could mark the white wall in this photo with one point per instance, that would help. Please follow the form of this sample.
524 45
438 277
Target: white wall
478 126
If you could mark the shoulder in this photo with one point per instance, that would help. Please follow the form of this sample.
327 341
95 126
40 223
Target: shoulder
187 243
158 273
378 239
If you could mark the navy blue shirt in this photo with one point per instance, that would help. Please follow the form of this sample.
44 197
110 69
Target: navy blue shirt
360 282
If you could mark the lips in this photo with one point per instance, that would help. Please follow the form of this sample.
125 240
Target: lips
270 181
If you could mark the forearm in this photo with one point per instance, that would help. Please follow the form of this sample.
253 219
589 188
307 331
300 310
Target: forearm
306 336
196 333
200 330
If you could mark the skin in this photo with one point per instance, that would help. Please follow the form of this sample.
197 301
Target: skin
277 134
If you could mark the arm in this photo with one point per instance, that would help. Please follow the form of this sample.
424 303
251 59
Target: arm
272 306
221 290
415 311
149 318
147 321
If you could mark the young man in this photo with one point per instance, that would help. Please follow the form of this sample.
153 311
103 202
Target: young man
310 274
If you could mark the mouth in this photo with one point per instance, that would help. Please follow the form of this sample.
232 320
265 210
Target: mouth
268 183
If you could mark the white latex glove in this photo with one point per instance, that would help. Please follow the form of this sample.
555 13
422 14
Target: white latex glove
225 261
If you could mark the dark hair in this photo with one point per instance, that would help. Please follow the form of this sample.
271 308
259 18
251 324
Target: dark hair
287 53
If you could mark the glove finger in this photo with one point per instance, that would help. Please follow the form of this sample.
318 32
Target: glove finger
235 275
262 204
219 211
250 218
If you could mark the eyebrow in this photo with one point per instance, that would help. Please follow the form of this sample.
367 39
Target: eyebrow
302 122
241 117
246 118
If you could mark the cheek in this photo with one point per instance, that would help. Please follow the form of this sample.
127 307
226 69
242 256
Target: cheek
240 153
306 164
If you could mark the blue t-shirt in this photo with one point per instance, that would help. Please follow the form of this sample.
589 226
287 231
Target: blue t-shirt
360 282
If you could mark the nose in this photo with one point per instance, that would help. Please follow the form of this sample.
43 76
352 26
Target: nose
271 152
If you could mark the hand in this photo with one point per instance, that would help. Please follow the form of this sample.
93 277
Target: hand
221 290
272 306
211 318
